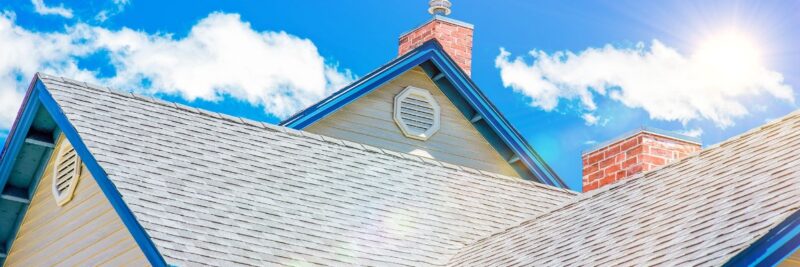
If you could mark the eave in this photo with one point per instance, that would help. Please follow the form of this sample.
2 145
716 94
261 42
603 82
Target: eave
26 152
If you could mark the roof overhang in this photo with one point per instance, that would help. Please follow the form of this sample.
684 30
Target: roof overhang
772 248
25 153
459 88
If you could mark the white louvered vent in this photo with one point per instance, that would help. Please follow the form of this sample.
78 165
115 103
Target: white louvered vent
66 172
416 113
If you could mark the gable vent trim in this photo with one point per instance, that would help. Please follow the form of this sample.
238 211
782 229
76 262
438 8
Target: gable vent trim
416 113
66 172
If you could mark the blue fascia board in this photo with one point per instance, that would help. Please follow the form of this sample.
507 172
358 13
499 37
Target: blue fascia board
772 248
38 95
12 148
432 51
494 118
353 91
16 137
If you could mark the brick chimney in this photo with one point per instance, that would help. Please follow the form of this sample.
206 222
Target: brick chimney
455 36
639 151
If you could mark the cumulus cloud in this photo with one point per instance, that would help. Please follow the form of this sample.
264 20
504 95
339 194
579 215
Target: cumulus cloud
43 9
117 7
594 120
221 56
668 85
54 53
696 132
590 119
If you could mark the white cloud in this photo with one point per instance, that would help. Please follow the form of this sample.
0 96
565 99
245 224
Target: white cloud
668 85
590 119
54 53
43 9
221 56
594 120
590 142
118 7
696 132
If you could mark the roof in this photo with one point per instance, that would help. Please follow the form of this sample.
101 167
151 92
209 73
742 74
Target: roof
460 89
702 210
211 189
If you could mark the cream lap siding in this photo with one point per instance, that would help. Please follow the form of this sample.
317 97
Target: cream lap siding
83 232
369 120
791 261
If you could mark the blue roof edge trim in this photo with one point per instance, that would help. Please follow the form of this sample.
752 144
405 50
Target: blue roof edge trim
22 122
11 149
772 248
432 51
38 95
496 120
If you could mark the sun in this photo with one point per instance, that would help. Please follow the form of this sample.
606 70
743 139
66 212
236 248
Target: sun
730 52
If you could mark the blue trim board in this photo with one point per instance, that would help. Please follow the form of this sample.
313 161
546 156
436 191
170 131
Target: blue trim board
432 51
496 120
16 137
12 148
772 248
38 96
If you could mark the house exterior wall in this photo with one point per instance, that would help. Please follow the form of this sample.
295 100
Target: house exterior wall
83 232
369 121
791 261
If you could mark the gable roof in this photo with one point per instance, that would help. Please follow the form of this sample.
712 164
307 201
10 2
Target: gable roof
459 88
212 189
702 210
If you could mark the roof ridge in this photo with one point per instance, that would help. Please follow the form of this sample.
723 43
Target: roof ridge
301 133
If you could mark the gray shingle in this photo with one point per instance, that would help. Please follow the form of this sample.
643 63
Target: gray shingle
702 210
212 190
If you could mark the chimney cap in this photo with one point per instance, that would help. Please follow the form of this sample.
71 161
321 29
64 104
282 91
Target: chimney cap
644 129
439 7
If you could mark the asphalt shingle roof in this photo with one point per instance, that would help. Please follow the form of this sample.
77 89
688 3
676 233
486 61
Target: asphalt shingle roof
702 211
211 189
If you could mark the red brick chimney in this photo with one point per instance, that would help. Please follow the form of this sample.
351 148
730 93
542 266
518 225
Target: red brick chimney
455 36
642 150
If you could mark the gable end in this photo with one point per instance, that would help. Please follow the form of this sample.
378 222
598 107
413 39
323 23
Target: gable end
38 123
460 90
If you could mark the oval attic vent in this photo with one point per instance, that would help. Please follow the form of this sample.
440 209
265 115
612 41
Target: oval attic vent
416 113
66 172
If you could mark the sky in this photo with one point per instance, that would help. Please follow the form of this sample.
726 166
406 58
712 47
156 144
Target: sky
568 74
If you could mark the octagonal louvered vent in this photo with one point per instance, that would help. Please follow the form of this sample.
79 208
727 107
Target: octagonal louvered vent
66 172
416 113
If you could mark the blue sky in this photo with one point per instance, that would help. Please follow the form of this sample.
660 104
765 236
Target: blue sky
598 70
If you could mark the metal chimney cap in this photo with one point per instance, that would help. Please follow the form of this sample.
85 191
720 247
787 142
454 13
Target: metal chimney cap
439 7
